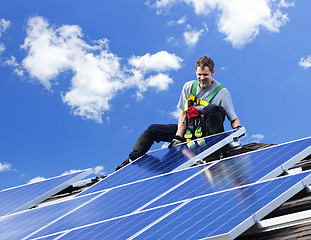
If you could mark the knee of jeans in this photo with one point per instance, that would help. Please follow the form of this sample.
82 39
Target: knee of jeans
211 108
152 128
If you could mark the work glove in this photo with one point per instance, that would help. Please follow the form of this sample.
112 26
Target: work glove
176 140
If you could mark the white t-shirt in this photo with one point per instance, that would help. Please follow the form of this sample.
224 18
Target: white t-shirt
222 98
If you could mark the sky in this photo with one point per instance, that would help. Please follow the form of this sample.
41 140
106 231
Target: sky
81 80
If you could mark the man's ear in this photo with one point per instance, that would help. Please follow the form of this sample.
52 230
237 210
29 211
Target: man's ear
213 72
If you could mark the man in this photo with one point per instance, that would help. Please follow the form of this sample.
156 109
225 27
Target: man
213 113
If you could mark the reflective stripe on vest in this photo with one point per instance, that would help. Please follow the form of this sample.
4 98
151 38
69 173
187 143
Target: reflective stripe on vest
199 101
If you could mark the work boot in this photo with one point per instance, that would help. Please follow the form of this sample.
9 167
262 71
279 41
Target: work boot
125 162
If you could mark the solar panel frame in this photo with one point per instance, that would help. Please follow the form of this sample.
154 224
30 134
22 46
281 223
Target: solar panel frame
281 189
117 202
134 172
212 149
170 189
22 203
291 162
222 174
260 211
19 225
192 172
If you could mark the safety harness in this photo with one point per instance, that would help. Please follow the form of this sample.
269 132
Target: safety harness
194 119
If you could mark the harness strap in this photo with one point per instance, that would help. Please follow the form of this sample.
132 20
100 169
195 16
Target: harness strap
216 90
199 101
194 88
192 99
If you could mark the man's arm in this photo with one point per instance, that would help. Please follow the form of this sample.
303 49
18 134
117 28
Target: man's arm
180 130
182 124
235 123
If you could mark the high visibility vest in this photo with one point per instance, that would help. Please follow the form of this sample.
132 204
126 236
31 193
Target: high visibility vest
194 99
190 102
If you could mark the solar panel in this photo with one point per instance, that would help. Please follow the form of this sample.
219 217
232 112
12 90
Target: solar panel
226 214
183 185
240 170
118 228
26 196
220 215
18 225
147 206
162 161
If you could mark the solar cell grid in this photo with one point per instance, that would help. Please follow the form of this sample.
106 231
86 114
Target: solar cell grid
19 225
238 170
211 200
218 176
164 160
121 228
26 196
226 213
119 201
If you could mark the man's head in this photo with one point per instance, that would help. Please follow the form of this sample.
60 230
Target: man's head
205 62
204 69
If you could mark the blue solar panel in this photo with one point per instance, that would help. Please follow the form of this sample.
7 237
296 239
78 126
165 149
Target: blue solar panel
147 206
240 170
26 196
119 201
18 225
120 228
165 160
226 213
181 185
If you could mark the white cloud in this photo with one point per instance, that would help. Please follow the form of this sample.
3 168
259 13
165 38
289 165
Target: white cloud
162 4
36 179
160 82
192 37
257 137
239 20
98 74
176 114
70 171
126 130
305 62
98 170
161 61
285 4
5 167
12 62
147 71
2 48
178 22
4 25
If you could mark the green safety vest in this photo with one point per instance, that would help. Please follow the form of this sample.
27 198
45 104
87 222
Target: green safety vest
198 131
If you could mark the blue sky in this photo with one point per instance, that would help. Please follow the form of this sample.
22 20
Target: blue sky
81 80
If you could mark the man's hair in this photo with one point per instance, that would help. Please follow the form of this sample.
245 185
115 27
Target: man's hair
205 62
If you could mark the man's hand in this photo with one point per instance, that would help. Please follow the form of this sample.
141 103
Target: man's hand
236 129
176 140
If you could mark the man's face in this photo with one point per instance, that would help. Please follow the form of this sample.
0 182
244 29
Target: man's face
204 75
